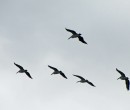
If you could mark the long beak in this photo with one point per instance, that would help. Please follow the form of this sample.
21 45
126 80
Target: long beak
17 72
77 81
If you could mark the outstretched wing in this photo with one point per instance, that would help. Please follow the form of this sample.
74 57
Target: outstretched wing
72 31
122 74
28 74
55 69
91 83
82 40
20 67
79 77
62 74
127 84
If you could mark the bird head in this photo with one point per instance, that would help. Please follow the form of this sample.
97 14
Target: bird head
80 34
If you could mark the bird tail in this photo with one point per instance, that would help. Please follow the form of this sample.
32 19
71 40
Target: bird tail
118 78
69 38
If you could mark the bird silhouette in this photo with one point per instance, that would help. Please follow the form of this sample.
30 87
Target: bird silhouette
22 70
56 71
84 80
76 35
123 77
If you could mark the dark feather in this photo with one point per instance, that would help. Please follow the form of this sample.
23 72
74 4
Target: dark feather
82 40
55 69
20 67
28 74
122 74
62 74
79 77
72 31
91 83
127 84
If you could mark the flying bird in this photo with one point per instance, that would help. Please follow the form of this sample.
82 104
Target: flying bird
22 70
56 71
84 80
123 77
76 35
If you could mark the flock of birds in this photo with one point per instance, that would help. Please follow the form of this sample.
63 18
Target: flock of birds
82 80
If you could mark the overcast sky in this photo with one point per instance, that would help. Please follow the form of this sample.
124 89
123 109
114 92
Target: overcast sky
32 34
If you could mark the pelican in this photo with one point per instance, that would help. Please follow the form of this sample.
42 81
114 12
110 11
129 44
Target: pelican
56 71
75 35
123 77
84 80
22 70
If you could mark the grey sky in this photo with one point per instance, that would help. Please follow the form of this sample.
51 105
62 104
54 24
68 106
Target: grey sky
32 34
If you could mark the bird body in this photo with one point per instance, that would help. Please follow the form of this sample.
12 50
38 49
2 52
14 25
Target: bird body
84 80
22 70
123 77
76 35
56 71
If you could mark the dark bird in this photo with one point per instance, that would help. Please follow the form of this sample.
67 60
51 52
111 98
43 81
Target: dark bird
22 70
56 71
84 80
76 35
123 77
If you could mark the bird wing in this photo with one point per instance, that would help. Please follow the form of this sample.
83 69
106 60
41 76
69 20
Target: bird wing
82 40
72 31
62 74
127 84
90 83
79 77
122 74
55 69
20 67
28 74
